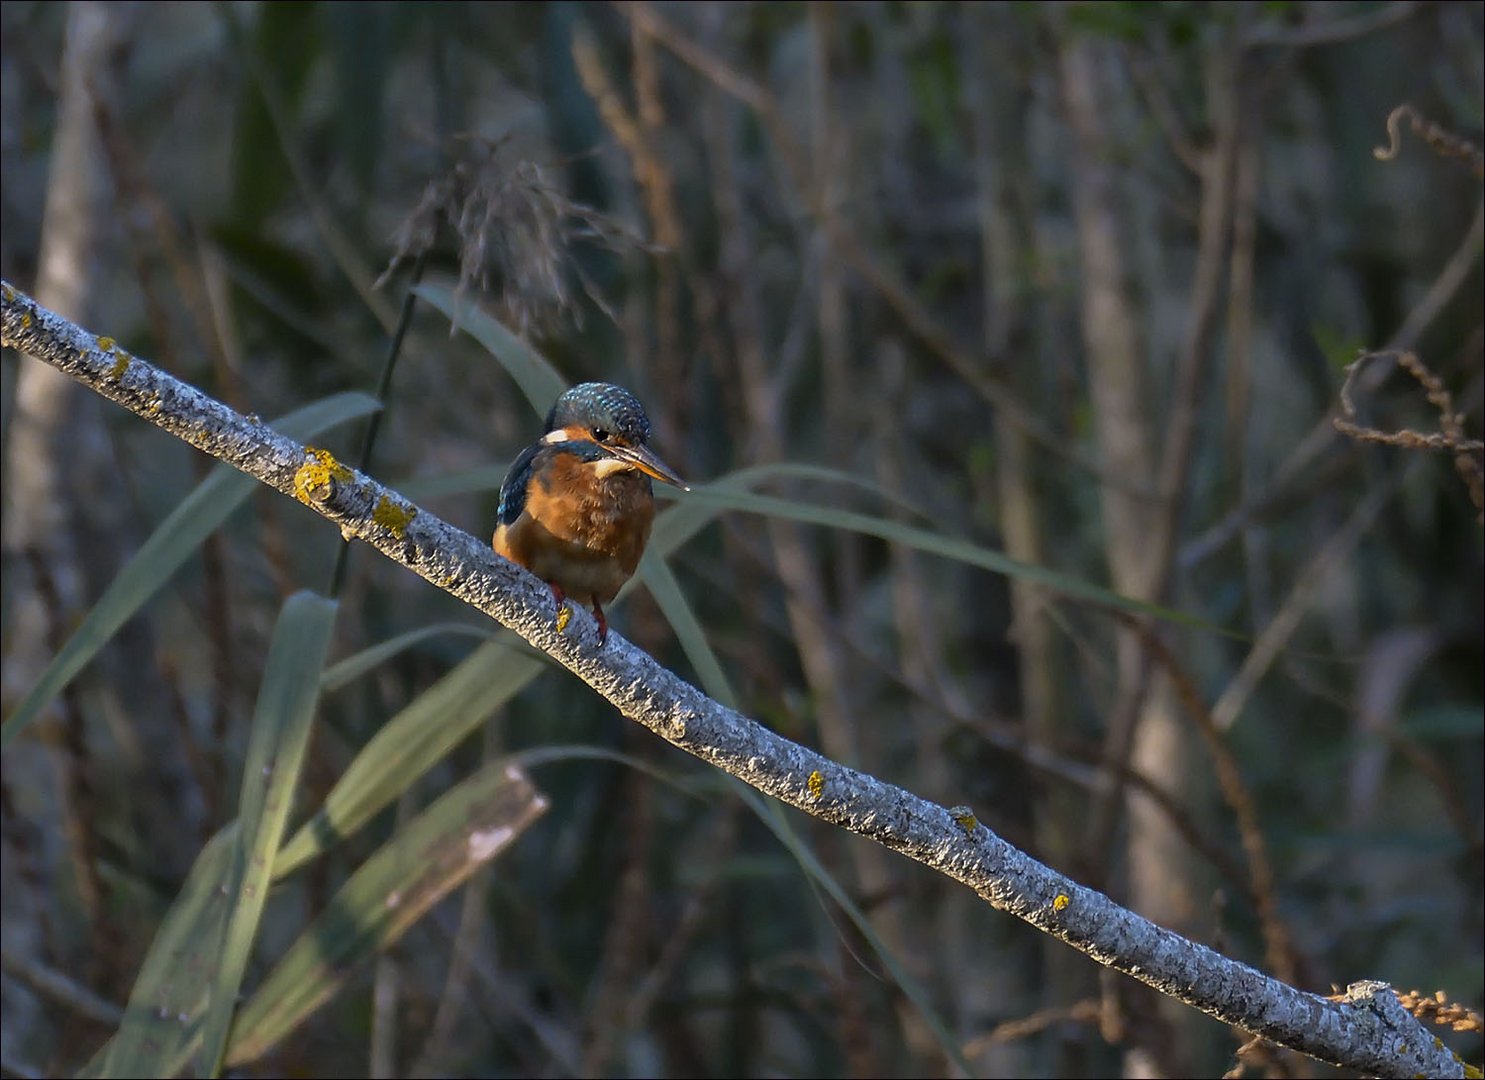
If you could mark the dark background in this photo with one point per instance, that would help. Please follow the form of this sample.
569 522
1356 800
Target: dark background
1076 282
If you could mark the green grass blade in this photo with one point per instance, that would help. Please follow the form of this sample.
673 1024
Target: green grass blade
488 478
163 1019
672 601
167 549
688 516
414 740
286 706
463 482
353 667
536 377
661 582
538 756
947 547
433 854
772 815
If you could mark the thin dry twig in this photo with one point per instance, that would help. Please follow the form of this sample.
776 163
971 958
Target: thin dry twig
638 132
682 934
77 794
894 291
1285 482
1065 761
61 988
1278 943
1451 438
1088 1012
1218 173
1455 804
1163 111
624 953
1274 636
1332 31
1444 143
1256 1053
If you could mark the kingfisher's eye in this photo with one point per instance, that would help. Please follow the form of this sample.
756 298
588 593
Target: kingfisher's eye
600 435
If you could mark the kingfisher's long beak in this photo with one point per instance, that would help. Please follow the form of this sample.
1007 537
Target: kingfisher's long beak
644 459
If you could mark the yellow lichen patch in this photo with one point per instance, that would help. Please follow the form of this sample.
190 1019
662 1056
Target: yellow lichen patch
392 517
965 817
1061 902
1470 1072
564 616
816 784
120 363
9 293
26 320
316 474
106 344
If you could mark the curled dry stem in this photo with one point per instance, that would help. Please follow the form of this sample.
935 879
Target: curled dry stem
1451 437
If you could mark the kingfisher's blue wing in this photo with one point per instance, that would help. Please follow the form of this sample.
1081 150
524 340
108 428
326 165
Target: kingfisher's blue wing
529 463
513 488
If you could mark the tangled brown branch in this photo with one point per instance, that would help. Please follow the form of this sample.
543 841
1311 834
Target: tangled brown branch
1444 143
1451 437
1437 1007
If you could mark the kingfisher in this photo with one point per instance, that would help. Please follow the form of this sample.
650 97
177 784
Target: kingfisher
577 505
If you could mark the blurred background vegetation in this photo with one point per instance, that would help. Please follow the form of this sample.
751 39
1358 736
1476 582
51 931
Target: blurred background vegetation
1076 282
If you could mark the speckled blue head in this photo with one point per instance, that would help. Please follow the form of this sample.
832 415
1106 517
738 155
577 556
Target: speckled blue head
603 409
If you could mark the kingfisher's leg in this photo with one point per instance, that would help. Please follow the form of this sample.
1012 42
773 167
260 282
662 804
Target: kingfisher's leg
602 623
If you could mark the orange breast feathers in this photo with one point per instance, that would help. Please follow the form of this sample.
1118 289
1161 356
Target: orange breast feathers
583 525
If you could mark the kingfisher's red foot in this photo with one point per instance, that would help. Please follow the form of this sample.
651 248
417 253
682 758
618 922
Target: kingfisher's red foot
602 624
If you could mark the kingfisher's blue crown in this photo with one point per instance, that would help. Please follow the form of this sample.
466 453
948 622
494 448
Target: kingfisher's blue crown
604 407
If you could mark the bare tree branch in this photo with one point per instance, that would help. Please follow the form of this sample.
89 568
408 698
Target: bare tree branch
1332 31
1367 1029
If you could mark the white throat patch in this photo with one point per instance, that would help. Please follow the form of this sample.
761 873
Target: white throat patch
608 466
